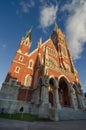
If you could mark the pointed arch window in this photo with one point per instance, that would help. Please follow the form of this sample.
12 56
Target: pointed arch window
26 43
27 80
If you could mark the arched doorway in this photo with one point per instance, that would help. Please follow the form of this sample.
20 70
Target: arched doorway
64 97
51 91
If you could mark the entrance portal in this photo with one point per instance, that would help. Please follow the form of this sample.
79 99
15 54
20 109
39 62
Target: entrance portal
64 93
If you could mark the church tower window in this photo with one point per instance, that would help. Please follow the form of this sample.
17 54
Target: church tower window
17 69
31 64
21 58
26 43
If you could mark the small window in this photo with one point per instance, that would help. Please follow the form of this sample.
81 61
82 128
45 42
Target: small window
26 42
30 64
17 69
21 58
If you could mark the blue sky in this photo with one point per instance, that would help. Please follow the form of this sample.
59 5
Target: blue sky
17 16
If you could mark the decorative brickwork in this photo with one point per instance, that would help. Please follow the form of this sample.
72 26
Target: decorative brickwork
47 77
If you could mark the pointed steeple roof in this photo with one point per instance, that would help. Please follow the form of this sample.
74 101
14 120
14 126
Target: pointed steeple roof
55 27
29 34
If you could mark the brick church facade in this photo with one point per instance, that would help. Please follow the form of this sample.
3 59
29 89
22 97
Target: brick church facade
44 81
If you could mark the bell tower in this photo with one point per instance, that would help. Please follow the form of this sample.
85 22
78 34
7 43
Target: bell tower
20 60
60 43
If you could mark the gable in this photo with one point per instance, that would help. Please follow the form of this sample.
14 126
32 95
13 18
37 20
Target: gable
49 43
38 55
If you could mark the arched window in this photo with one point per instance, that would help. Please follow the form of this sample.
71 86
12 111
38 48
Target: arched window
30 64
26 42
21 58
17 69
27 81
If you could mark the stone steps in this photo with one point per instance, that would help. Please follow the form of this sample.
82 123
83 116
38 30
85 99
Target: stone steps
71 114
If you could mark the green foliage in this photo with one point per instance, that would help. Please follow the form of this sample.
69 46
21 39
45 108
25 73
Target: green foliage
23 117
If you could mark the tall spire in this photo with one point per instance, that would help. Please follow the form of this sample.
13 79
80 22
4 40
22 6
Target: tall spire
55 27
29 34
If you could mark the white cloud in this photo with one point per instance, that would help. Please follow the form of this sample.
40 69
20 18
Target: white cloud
26 6
76 27
48 15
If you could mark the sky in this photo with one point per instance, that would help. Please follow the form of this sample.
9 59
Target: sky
18 16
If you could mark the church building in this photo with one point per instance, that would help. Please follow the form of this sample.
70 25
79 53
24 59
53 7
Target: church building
43 82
